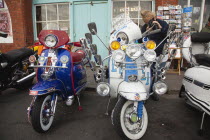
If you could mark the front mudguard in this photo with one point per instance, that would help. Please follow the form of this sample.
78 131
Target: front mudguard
133 91
49 86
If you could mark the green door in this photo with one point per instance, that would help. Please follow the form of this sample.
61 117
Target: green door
86 12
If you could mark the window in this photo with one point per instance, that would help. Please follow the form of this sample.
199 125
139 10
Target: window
53 13
133 8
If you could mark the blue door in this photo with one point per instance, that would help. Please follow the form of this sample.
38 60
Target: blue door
86 12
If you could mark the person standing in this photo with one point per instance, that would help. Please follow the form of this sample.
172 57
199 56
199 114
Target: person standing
150 18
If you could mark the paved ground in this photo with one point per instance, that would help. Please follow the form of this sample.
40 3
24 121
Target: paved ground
169 119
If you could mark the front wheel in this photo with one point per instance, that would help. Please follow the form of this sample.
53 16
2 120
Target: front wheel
42 113
125 123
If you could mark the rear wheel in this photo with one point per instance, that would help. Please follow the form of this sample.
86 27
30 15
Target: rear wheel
124 120
42 114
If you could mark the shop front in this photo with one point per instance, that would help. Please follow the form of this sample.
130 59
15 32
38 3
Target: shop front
30 16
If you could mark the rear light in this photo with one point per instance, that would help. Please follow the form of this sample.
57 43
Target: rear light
33 92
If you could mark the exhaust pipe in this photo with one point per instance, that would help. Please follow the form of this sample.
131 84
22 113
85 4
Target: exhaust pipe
99 71
163 77
32 75
162 70
97 77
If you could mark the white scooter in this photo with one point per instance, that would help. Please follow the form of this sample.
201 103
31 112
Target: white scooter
196 82
129 77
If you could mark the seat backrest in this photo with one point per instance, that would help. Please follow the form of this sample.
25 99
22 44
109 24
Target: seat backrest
202 37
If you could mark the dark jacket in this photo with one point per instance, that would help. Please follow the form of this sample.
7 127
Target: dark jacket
158 37
206 29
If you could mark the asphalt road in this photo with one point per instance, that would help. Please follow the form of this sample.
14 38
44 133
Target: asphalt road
169 119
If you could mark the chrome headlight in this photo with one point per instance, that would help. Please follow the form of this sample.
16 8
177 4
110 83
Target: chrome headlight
41 60
150 55
134 51
103 89
160 87
64 59
118 56
32 59
51 41
122 38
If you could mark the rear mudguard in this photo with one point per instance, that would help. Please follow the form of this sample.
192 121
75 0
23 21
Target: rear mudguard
45 87
134 91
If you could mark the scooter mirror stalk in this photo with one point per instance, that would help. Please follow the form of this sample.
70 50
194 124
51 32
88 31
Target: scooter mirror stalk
92 28
93 66
88 36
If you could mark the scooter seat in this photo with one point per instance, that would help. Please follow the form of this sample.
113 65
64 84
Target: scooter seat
203 59
17 55
77 56
202 37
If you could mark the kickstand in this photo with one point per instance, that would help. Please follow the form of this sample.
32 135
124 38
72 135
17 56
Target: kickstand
107 107
79 107
200 132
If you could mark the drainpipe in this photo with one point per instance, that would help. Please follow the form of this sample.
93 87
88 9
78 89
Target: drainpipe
201 15
188 3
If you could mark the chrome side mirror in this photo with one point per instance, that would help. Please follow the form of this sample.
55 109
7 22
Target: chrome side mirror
88 36
93 49
92 28
92 66
89 53
83 42
98 59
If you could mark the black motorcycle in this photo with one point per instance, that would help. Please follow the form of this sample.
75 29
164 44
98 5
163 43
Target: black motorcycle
14 71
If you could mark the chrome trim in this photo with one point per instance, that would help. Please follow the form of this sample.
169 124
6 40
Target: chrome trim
37 66
28 76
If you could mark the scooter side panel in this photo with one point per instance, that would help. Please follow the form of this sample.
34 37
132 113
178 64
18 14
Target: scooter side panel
197 82
80 77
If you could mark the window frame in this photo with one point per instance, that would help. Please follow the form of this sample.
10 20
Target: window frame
47 21
139 4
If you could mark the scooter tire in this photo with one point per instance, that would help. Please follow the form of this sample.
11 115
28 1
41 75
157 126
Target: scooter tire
119 124
35 114
116 117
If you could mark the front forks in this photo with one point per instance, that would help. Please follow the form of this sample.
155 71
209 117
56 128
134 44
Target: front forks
54 99
138 107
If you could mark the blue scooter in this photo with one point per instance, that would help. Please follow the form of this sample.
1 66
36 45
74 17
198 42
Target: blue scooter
60 72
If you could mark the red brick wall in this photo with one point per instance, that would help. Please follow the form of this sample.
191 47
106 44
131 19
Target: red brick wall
165 2
22 27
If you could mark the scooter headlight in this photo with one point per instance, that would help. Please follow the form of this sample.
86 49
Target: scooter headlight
150 55
51 41
150 44
32 59
103 89
134 51
118 56
115 45
122 38
160 87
